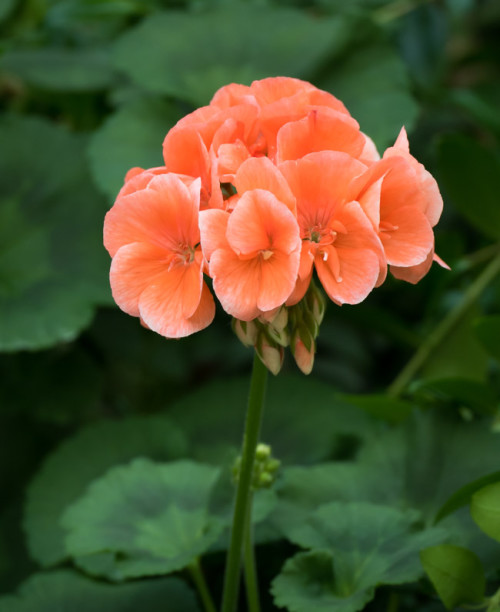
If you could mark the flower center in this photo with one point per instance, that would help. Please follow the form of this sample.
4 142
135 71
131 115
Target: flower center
266 254
185 255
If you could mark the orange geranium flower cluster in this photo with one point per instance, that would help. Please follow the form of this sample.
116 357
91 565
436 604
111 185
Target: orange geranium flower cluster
266 184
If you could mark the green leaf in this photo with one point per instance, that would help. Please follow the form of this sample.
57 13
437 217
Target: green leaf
381 406
368 544
488 332
191 55
426 458
132 136
485 510
152 517
467 171
462 497
379 70
64 590
302 489
67 472
456 392
6 8
213 418
307 582
422 37
456 573
53 269
60 69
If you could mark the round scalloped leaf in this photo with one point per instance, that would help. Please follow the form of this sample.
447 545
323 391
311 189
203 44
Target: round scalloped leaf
303 489
368 545
485 510
53 269
153 517
456 573
159 54
132 136
65 590
68 471
307 583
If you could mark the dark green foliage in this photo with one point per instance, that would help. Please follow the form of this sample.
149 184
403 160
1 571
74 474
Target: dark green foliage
116 445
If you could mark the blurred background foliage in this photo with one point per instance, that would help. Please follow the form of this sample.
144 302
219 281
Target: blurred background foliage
88 88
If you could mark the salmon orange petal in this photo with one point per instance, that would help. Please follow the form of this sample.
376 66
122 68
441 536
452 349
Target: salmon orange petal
300 289
433 206
138 178
260 222
248 287
278 279
360 235
413 274
135 267
166 305
213 228
353 279
230 157
321 130
185 152
272 89
236 283
164 214
261 173
408 238
231 95
320 182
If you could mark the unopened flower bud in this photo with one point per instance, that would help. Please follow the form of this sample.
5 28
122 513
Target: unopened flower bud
304 355
281 336
246 331
271 354
273 465
262 452
316 303
280 320
264 480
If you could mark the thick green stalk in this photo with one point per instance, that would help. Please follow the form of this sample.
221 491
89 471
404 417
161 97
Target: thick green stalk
438 335
250 568
201 586
244 488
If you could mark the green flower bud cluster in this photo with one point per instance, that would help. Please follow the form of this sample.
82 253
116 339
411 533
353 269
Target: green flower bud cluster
296 326
264 469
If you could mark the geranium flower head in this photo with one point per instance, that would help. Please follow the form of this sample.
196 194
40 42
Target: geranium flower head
261 189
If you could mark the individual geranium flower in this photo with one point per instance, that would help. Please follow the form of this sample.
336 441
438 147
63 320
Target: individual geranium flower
394 202
153 237
403 202
338 239
253 253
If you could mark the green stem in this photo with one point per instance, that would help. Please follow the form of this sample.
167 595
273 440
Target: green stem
243 491
393 604
251 581
439 334
201 586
